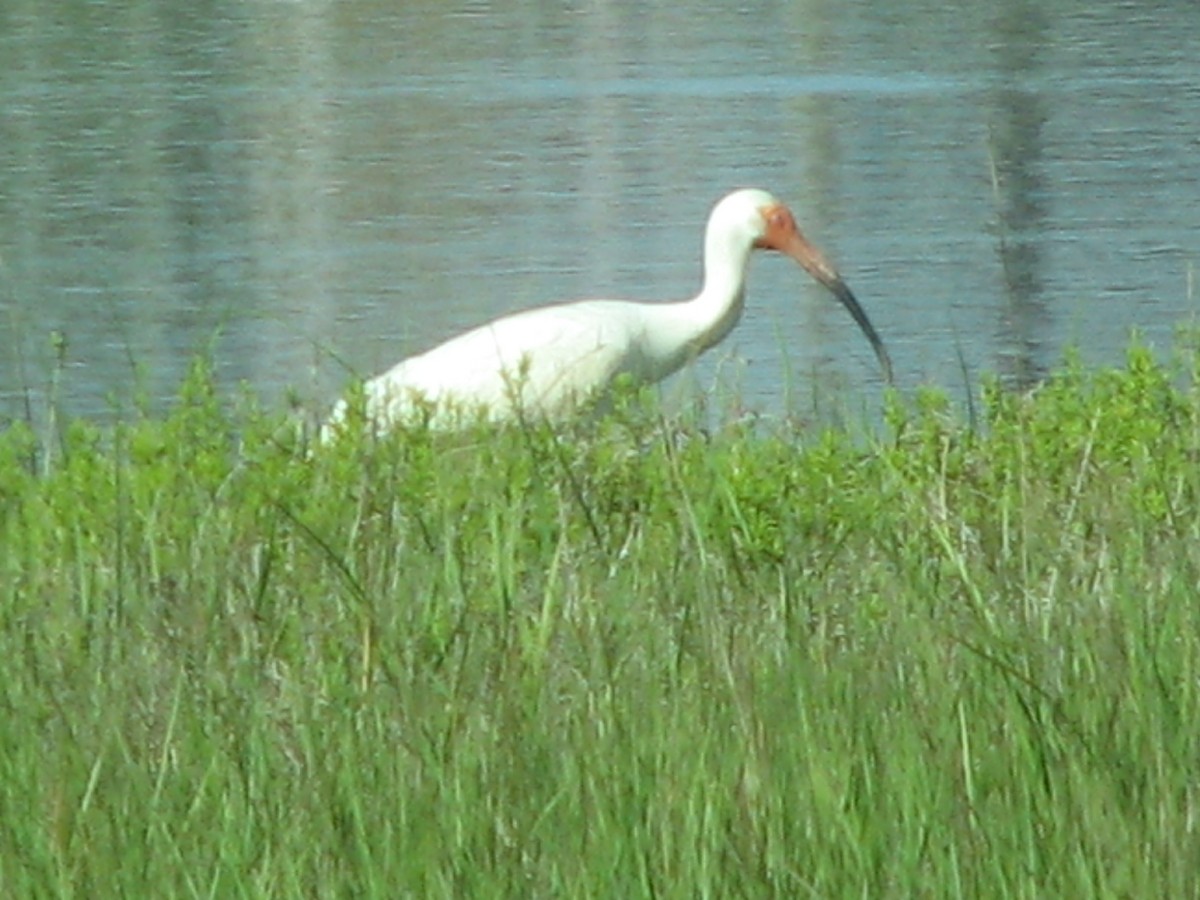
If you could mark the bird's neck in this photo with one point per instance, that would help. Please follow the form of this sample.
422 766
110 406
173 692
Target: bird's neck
718 306
676 333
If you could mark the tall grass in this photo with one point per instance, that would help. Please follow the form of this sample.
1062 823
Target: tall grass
629 659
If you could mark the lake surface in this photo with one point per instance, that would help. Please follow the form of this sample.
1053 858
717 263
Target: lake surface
312 190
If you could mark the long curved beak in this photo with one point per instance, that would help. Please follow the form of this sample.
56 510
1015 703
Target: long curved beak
794 244
848 300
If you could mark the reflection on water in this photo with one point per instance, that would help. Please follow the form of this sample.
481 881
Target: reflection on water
315 190
1016 149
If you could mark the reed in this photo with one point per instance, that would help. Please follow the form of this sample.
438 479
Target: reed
630 658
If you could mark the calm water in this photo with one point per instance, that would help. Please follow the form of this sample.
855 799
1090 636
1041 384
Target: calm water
314 189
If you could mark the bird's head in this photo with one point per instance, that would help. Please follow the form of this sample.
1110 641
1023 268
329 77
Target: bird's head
769 225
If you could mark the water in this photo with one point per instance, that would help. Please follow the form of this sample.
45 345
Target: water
312 189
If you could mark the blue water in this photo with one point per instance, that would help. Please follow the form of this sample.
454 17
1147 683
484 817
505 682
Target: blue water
313 191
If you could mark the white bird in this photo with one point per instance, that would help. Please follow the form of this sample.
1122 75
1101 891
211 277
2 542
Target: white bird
544 361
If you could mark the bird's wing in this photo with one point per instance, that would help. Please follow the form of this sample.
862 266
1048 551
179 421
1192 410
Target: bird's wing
544 358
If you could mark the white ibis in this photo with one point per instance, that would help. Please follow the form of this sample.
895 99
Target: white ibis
546 360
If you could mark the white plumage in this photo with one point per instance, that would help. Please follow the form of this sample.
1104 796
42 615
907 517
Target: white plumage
544 361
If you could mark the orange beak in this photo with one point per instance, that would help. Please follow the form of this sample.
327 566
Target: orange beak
783 236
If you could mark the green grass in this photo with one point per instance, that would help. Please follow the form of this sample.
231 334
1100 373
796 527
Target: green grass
634 659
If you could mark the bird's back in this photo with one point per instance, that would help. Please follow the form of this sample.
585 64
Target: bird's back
540 361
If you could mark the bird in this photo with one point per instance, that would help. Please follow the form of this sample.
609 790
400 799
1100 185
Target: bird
548 360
